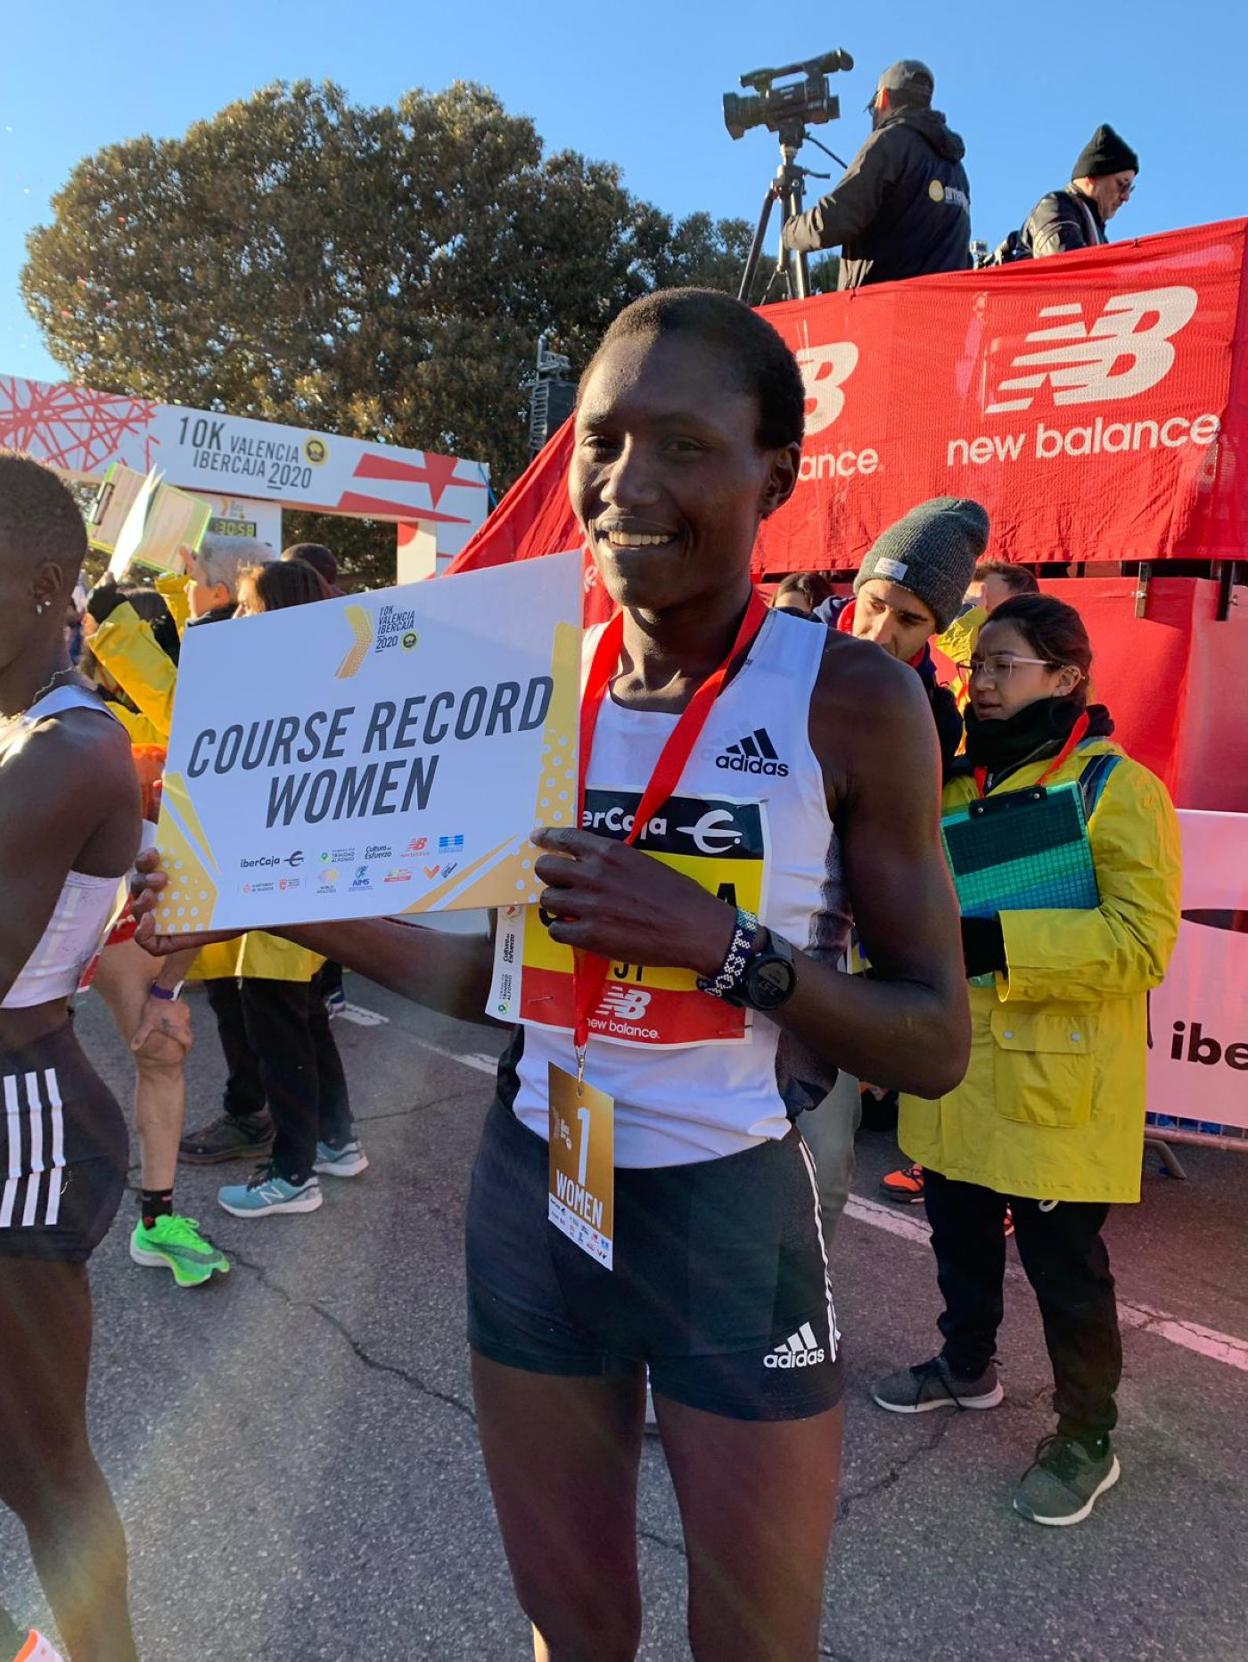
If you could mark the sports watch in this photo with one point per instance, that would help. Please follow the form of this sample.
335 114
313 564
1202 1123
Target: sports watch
769 978
168 994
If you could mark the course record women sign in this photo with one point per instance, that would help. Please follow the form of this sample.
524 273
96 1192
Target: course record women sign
373 755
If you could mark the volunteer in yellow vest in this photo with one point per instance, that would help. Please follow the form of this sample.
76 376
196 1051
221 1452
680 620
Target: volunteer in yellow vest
1050 1116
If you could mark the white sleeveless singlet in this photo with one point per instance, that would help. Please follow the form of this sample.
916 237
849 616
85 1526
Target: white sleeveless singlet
749 819
85 905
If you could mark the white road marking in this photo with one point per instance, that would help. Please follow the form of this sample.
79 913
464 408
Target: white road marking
361 1017
1203 1341
482 1063
889 1216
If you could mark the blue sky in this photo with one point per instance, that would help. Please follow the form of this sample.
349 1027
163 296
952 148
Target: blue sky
640 84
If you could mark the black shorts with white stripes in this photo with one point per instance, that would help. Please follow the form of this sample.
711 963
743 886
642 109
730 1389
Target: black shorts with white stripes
720 1280
63 1151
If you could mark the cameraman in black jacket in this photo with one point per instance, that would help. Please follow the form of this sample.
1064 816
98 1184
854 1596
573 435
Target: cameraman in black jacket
903 207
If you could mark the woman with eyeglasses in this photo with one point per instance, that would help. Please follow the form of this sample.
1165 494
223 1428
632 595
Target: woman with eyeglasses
1049 1119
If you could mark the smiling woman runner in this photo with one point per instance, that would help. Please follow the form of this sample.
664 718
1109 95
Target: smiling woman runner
688 434
69 827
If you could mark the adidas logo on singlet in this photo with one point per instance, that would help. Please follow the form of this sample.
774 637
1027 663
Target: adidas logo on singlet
799 1350
753 754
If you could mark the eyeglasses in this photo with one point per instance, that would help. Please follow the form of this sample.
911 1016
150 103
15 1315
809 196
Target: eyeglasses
999 666
1126 187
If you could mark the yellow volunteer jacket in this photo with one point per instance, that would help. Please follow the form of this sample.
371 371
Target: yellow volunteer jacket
958 644
1052 1105
128 650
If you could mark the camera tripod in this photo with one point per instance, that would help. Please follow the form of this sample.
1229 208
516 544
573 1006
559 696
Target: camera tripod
787 187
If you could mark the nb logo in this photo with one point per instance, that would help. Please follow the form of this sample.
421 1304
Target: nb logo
825 370
1127 350
624 1003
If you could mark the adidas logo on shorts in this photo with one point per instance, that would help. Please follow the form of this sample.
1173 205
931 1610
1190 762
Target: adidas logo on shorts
799 1350
753 754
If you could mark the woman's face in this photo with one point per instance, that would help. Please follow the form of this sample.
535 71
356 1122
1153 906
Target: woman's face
249 602
1005 679
668 479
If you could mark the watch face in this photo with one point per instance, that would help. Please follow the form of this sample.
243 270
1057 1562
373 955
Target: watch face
770 982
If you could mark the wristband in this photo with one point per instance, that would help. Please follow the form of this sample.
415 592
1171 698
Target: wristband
165 993
744 935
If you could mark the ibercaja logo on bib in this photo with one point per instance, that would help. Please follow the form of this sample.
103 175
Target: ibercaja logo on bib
720 843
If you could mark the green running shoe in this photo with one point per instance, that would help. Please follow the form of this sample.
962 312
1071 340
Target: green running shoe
177 1244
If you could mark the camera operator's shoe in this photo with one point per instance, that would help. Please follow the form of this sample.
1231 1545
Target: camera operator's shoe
1065 1480
930 1385
905 1186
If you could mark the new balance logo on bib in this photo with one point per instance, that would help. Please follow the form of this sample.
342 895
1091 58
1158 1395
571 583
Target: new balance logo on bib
753 754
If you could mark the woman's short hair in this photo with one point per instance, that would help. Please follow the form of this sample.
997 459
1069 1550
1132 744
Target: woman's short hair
762 361
220 559
1053 630
281 583
39 519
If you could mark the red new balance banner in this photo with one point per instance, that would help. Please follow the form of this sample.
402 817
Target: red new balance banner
1094 403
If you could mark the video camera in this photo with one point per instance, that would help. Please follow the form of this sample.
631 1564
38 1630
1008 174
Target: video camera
786 109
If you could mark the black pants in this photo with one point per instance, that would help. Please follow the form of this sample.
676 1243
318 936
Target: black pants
279 1050
1066 1262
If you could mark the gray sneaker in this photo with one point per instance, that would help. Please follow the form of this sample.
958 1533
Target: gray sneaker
931 1385
229 1137
1064 1482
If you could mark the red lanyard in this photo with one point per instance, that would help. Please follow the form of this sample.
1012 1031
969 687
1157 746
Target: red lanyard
1076 734
590 972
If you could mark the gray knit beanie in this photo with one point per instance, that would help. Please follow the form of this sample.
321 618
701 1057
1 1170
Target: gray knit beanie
932 552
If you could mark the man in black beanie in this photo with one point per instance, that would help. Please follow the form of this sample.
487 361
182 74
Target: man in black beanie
1102 179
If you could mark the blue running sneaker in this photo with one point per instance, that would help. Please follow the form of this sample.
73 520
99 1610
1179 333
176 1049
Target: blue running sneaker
266 1193
348 1161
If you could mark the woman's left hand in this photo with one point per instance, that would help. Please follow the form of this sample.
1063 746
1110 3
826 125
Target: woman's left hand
609 898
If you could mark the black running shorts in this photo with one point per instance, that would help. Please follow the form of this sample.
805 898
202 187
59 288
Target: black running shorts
63 1151
720 1282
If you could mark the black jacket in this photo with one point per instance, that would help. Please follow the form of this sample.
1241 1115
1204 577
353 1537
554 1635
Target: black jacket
903 207
1061 222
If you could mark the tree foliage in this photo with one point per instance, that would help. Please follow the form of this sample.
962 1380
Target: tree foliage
378 272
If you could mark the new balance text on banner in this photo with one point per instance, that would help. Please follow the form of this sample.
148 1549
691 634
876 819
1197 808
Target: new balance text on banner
384 753
1198 1017
1095 403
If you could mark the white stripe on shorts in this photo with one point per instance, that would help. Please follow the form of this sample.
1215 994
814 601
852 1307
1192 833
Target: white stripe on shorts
833 1334
34 1105
52 1086
13 1132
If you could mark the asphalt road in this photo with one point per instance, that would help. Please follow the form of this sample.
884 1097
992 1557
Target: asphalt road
294 1453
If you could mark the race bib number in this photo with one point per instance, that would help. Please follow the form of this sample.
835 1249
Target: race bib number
581 1202
722 845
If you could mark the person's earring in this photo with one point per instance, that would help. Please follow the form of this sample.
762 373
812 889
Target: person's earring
39 609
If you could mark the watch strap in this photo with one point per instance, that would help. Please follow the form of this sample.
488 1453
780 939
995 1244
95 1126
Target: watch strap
165 993
731 971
